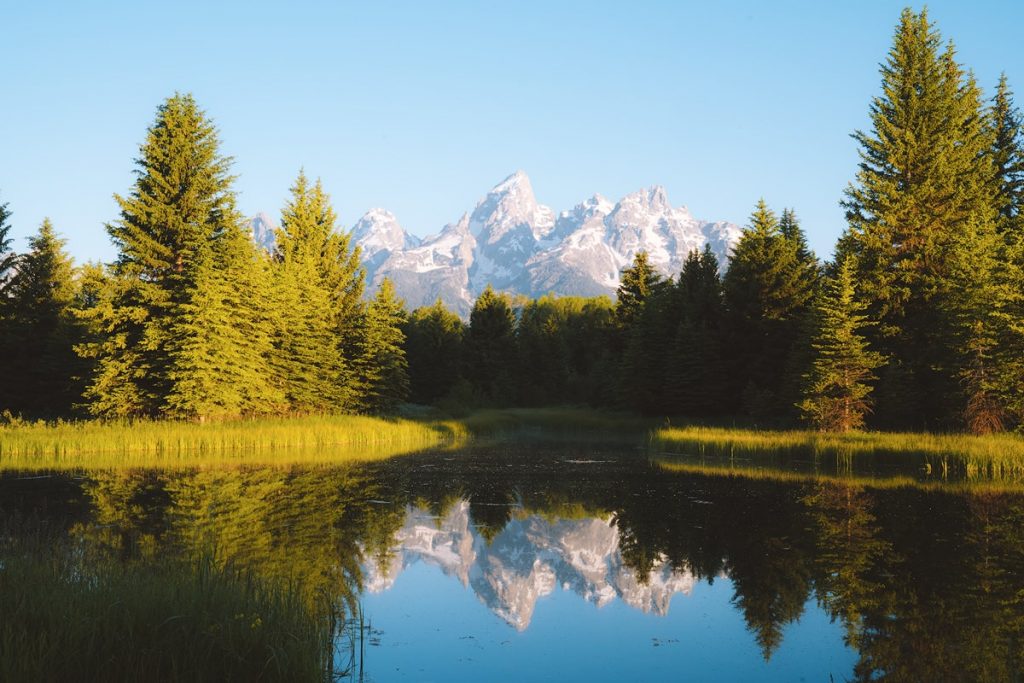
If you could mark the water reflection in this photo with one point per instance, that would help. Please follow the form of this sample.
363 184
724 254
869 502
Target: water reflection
527 560
923 584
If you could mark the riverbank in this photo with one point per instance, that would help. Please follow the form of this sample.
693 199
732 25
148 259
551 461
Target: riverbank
166 443
996 456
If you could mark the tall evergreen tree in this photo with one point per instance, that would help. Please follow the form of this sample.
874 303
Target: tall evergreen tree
1007 159
221 341
838 386
974 308
42 371
645 313
924 174
309 232
768 292
491 346
383 368
434 339
695 372
310 300
638 282
7 255
179 209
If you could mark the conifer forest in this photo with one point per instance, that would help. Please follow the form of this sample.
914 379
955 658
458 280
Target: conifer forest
228 455
915 323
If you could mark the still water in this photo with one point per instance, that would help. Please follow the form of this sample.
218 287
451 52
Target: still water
559 562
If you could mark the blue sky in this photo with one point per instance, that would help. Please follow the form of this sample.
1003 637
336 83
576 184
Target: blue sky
422 107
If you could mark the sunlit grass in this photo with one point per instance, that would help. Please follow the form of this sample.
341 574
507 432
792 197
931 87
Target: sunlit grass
993 457
154 443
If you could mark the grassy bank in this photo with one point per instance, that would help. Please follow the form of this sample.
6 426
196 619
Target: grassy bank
62 619
155 443
320 439
994 457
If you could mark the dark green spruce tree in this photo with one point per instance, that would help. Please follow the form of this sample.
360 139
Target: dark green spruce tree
433 347
645 313
768 291
491 347
7 256
925 173
42 376
696 370
837 388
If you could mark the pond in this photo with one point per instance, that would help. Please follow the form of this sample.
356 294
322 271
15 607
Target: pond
542 561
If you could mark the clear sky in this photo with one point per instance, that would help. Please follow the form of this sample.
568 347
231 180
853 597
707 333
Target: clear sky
421 107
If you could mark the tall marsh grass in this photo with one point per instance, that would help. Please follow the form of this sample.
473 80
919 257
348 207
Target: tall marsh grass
992 457
66 619
155 443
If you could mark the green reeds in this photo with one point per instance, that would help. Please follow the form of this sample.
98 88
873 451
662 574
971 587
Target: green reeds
155 443
63 618
945 456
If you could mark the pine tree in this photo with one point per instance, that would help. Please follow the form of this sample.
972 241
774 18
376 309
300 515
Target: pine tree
221 345
696 371
1007 159
434 339
179 208
925 172
7 256
1006 306
973 308
309 231
838 388
314 317
638 282
645 314
382 368
768 292
490 347
41 368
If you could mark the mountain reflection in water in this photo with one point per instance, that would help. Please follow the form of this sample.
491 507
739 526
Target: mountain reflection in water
918 584
527 560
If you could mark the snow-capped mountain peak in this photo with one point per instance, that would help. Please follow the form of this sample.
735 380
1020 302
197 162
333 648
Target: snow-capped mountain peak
263 228
518 245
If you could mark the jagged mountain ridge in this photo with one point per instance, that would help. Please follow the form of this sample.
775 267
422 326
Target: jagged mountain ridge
517 245
528 560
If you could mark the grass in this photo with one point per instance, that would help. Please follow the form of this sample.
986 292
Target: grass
63 618
156 443
992 457
89 445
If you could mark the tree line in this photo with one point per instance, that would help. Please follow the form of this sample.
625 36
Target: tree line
917 322
193 320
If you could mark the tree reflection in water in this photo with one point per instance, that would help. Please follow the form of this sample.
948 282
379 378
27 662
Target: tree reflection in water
928 584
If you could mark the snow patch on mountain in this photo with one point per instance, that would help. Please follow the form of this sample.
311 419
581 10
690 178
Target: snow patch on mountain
517 245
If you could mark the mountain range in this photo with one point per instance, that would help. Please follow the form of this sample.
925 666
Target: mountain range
517 245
